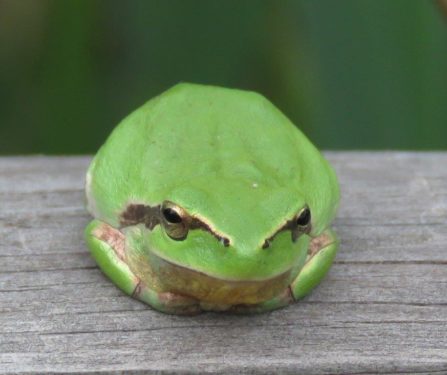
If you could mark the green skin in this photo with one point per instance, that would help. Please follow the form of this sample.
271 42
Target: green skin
232 161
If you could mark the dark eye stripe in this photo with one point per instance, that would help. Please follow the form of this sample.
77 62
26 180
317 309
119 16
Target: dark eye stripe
297 226
167 214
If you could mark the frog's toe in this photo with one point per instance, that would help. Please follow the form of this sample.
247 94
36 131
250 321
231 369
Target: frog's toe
321 254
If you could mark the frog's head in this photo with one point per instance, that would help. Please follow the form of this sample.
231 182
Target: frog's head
217 188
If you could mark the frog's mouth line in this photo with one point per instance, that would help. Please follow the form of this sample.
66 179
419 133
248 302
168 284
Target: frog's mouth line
184 268
315 245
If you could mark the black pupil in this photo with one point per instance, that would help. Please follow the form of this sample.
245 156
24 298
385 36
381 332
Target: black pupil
304 218
171 216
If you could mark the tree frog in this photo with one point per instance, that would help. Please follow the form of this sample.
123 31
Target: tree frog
210 199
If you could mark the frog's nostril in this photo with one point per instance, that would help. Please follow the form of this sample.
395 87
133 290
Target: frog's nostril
225 241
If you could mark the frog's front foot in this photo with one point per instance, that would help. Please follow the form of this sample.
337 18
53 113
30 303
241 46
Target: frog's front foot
321 254
108 247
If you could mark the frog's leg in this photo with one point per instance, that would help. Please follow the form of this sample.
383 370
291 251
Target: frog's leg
321 254
107 246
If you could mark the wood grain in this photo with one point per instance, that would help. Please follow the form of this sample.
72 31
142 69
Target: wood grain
382 309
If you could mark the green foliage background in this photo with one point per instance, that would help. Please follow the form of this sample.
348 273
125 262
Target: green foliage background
353 74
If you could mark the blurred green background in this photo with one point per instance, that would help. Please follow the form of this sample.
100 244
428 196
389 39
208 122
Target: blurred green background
353 74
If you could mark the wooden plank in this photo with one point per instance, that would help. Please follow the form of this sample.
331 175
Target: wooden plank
382 309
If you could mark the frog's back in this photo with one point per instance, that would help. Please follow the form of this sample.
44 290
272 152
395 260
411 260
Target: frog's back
198 137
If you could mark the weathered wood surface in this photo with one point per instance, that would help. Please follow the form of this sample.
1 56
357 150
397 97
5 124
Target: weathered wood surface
382 309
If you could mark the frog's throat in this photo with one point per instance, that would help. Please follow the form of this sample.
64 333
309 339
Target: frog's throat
162 275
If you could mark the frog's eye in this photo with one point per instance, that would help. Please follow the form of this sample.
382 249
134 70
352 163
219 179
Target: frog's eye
303 220
175 220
